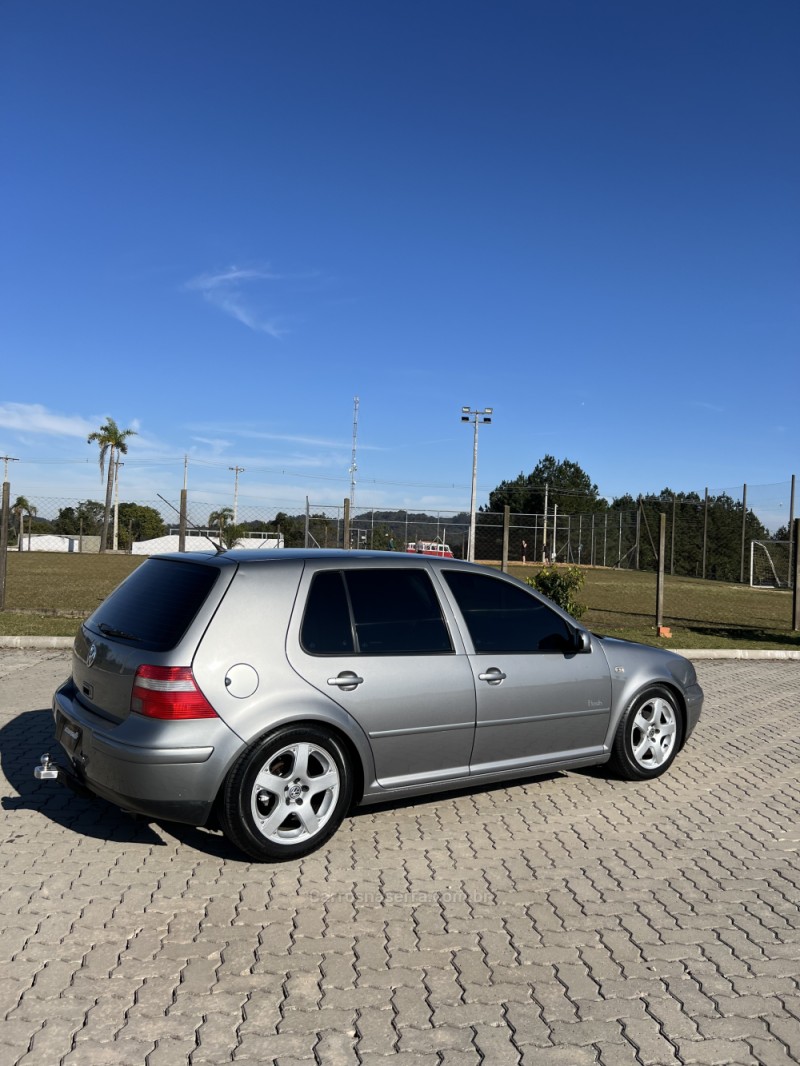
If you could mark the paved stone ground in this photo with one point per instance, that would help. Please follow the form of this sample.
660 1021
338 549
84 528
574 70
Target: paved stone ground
565 920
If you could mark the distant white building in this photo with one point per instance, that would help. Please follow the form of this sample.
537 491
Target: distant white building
59 542
196 543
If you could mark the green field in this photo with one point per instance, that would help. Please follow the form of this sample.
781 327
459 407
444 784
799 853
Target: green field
48 594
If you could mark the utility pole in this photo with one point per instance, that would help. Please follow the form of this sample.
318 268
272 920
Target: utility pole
544 527
6 460
353 464
237 470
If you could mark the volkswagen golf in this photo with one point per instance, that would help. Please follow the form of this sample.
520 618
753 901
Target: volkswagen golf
269 692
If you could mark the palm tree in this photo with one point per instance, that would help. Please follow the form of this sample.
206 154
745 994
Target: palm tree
112 442
21 508
223 520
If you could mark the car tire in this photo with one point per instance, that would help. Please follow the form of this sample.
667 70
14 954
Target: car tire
649 735
287 793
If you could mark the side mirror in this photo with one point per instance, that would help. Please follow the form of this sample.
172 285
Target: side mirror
583 641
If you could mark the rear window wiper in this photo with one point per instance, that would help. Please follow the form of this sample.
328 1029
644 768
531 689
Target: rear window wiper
110 631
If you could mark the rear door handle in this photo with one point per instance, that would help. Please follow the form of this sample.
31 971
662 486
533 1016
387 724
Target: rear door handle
493 676
347 681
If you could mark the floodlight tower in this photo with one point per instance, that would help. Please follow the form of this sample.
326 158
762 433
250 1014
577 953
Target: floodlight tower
477 417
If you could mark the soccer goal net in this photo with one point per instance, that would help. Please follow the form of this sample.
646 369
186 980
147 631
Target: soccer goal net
770 564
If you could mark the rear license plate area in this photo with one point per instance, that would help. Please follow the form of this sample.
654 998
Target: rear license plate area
68 735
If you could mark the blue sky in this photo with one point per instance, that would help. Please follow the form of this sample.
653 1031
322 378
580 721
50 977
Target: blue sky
224 221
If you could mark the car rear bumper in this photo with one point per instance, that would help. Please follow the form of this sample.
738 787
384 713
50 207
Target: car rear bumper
169 770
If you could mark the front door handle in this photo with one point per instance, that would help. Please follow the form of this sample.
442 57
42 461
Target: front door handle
493 676
347 681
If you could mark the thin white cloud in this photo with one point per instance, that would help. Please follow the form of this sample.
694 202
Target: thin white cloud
216 444
207 282
705 406
283 438
226 291
33 418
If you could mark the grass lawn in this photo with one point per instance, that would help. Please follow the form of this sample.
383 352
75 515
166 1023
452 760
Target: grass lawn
47 594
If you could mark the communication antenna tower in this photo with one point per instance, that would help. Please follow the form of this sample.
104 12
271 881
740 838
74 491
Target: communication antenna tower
353 466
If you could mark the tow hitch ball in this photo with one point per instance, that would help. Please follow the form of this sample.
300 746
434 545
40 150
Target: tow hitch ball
46 770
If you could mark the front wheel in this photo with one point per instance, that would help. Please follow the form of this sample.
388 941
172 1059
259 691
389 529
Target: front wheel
648 735
287 794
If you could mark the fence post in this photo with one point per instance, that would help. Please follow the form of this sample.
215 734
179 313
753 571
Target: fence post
4 543
672 535
744 530
792 544
346 530
662 543
796 590
638 532
506 525
182 523
705 534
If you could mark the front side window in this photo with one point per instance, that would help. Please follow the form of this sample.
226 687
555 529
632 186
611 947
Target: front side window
504 619
374 612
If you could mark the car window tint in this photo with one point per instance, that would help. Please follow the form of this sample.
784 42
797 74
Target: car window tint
396 612
154 607
326 628
502 618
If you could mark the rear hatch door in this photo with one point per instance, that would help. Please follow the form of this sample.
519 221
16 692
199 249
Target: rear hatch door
157 615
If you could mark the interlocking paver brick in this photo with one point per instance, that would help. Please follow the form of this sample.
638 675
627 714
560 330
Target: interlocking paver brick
559 1056
716 1053
557 922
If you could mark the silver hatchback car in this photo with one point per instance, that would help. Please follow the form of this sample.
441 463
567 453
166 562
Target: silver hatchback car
271 691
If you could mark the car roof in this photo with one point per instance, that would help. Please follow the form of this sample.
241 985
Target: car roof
253 555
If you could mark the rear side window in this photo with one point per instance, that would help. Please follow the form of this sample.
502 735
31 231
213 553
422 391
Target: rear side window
504 619
327 628
156 605
374 612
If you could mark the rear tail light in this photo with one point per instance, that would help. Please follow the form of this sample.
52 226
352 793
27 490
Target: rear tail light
169 692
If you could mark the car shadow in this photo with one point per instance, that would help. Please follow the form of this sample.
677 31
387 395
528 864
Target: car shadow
23 739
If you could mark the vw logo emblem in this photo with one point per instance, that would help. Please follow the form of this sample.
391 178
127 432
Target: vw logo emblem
90 658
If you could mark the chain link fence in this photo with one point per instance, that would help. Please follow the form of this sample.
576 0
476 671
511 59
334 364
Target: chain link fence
707 536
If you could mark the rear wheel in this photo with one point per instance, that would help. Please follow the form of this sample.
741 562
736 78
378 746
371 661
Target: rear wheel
648 736
287 794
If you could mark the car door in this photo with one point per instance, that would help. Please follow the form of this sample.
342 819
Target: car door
376 640
539 699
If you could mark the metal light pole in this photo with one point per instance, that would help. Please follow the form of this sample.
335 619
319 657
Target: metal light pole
477 418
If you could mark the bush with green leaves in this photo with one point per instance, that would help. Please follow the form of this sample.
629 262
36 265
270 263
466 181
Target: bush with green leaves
561 585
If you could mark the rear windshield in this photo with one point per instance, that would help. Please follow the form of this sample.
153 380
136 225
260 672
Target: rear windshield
155 606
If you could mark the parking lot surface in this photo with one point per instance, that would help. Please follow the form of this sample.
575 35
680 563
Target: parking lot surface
566 920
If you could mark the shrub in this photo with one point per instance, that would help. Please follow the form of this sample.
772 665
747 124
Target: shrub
560 585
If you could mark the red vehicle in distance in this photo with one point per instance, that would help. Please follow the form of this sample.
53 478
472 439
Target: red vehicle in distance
430 547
